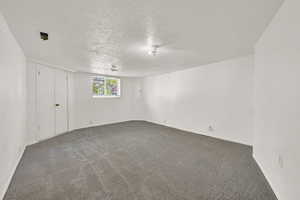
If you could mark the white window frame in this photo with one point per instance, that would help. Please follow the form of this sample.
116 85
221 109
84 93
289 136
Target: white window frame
106 96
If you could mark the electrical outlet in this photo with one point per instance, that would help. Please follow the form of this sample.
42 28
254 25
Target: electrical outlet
210 128
280 161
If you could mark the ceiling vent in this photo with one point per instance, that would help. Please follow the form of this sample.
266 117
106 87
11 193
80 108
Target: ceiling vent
114 68
44 36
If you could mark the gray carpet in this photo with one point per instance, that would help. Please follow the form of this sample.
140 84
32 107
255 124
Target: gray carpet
137 161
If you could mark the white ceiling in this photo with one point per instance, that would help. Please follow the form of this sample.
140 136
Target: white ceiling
90 35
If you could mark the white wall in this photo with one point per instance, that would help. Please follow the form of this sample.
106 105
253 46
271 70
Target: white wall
32 130
89 111
32 119
12 104
83 109
218 94
277 102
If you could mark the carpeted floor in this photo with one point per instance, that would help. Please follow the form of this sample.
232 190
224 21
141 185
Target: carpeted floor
137 161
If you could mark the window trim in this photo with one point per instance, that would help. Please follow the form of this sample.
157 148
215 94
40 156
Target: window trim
107 77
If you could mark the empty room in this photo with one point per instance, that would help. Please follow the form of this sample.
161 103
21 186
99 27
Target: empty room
149 100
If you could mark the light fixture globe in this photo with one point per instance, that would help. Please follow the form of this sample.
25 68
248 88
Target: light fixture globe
153 50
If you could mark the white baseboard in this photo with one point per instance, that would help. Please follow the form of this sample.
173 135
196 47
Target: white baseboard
265 174
103 124
201 132
83 127
11 174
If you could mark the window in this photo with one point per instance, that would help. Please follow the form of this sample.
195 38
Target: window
104 86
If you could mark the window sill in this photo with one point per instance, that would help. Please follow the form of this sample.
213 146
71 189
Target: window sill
105 97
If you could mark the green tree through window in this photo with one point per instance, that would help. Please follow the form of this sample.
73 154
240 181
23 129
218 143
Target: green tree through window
106 86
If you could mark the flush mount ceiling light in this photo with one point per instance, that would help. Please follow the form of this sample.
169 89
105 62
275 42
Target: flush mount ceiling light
153 50
44 36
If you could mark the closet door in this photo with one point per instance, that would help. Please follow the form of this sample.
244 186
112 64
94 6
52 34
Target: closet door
45 102
61 101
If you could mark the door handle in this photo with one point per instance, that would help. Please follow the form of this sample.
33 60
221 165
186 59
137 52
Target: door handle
57 104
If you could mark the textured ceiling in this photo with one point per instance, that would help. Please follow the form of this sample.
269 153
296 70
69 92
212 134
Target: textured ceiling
92 35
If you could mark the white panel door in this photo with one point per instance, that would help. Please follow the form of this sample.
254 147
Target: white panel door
45 102
61 101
